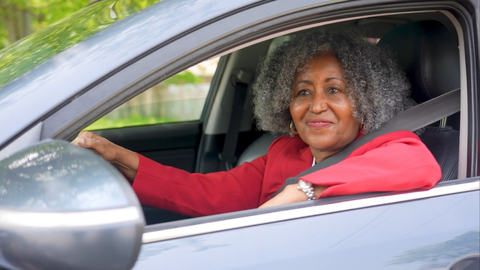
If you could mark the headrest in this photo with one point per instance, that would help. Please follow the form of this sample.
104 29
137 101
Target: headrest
428 53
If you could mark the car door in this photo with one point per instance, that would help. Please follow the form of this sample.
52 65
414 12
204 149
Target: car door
423 230
434 229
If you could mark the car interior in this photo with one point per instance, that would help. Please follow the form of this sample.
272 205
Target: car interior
426 46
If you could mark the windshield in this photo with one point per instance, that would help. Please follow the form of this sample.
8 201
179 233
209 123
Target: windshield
42 45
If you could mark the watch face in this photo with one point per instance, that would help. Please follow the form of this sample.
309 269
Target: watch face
303 184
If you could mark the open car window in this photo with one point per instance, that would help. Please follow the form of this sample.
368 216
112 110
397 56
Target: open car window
180 98
219 107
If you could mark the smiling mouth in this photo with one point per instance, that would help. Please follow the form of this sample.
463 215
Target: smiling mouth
319 124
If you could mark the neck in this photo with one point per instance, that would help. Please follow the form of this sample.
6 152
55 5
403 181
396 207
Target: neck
321 155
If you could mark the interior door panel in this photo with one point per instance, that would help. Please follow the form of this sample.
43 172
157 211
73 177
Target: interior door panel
170 144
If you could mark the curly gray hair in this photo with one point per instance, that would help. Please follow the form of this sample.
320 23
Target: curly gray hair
378 88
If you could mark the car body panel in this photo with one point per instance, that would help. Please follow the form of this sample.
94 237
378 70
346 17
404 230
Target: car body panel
420 234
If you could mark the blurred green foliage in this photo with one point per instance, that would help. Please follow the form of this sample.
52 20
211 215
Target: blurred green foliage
136 119
132 121
183 78
38 14
35 49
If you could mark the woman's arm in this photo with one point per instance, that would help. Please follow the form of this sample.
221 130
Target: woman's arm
397 161
177 190
125 160
196 194
291 194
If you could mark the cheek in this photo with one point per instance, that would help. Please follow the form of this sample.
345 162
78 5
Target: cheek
353 125
295 110
345 113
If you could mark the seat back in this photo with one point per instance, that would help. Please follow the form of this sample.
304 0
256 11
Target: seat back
428 54
258 148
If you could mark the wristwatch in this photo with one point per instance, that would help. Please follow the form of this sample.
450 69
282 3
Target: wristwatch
307 188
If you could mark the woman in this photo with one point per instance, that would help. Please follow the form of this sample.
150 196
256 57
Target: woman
327 89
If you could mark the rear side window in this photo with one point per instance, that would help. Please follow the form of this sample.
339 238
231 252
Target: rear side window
180 98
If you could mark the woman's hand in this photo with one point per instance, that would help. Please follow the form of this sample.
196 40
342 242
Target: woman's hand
102 146
125 160
291 194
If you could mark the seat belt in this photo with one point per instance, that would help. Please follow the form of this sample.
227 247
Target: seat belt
240 80
412 119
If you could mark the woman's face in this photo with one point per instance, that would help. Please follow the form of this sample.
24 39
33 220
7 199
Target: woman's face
321 109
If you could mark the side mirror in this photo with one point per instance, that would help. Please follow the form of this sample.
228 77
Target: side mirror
64 207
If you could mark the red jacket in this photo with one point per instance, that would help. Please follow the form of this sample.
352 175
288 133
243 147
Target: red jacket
393 162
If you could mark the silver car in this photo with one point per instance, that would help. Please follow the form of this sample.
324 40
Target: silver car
64 207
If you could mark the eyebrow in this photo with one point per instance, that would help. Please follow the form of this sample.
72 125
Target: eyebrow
334 78
304 81
326 80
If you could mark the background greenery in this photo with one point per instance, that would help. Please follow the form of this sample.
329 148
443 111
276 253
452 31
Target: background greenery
43 44
159 104
20 18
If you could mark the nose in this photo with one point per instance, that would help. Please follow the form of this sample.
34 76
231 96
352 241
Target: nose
318 102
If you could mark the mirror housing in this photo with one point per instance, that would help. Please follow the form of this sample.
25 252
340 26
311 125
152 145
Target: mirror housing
62 206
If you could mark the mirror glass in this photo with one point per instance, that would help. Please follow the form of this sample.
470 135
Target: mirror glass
58 176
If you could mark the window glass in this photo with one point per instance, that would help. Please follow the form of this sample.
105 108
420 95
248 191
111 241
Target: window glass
179 98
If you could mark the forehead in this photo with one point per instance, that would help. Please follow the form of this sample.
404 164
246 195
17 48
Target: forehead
326 62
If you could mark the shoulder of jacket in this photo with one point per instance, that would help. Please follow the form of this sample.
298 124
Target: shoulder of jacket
394 136
398 135
286 142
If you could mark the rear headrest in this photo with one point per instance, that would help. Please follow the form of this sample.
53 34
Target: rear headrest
428 54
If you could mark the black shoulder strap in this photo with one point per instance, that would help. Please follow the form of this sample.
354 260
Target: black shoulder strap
412 119
240 81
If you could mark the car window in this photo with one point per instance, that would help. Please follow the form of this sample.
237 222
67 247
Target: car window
179 98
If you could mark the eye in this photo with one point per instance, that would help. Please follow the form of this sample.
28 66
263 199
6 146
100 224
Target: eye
333 90
303 92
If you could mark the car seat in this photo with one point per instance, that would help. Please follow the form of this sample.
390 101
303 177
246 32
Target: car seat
428 54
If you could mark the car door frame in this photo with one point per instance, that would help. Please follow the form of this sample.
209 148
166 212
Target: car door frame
468 88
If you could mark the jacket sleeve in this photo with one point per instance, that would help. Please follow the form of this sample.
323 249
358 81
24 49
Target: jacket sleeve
197 194
394 162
